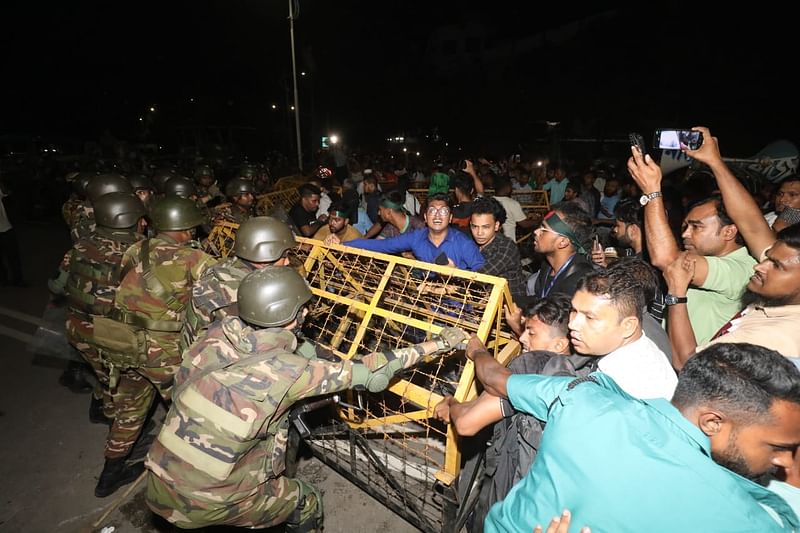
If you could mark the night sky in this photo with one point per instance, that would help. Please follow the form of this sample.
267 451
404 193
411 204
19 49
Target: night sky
72 70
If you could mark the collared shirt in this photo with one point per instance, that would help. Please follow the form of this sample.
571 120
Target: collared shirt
641 369
461 249
502 259
557 189
610 459
776 328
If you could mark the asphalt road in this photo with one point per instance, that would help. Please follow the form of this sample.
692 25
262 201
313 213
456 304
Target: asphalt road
52 455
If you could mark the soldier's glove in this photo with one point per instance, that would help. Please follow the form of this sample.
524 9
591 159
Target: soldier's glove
450 338
377 380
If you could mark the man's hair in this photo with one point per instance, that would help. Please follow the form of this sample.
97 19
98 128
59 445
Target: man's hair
554 311
502 185
308 189
624 292
339 205
395 196
370 178
790 178
743 378
578 220
790 236
439 197
463 181
722 214
630 212
640 272
486 205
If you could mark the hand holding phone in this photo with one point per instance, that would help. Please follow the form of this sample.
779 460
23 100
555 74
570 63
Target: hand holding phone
638 141
678 139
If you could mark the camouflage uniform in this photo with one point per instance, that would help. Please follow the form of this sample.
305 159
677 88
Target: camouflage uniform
82 221
70 208
212 296
212 191
229 212
220 455
158 308
93 274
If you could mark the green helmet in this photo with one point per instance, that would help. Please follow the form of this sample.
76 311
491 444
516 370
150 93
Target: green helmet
106 183
180 186
263 240
272 296
162 177
118 210
203 171
248 172
174 213
238 186
140 182
81 181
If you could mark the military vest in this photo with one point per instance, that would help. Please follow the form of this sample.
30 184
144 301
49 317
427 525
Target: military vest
227 420
94 271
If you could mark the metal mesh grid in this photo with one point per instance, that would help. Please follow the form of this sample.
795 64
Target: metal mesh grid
387 443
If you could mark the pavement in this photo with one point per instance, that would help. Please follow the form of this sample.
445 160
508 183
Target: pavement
52 455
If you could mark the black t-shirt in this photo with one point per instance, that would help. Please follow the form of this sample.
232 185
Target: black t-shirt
300 216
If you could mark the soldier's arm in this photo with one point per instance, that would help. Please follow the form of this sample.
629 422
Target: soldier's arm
375 370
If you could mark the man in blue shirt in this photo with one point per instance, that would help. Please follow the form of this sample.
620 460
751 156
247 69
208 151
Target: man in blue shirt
436 244
610 458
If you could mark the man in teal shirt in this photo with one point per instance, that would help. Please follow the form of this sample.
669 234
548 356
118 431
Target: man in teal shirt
611 458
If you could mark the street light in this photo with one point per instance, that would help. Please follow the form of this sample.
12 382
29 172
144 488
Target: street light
333 139
152 109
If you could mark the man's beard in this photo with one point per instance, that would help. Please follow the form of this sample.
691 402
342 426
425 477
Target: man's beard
733 460
751 298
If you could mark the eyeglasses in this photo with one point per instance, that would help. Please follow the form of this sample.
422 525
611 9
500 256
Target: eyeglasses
444 210
542 227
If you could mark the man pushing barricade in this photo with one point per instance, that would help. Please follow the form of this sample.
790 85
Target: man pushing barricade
220 456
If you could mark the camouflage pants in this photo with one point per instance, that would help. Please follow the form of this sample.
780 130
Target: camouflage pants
136 391
80 330
275 502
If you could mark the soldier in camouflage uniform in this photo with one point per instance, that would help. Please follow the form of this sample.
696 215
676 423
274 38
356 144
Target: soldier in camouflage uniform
240 192
149 308
143 187
220 455
77 201
83 223
207 190
260 242
89 276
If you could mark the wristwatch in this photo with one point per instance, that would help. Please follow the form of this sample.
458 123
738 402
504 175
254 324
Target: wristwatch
671 299
645 198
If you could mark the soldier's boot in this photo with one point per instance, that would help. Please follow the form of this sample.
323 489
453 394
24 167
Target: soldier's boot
74 378
116 473
307 516
96 414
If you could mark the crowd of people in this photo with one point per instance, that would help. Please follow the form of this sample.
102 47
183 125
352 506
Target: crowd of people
656 382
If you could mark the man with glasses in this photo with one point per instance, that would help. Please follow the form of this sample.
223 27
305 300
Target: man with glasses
433 244
561 238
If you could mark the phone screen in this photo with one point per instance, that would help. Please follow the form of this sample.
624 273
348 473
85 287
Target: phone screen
677 139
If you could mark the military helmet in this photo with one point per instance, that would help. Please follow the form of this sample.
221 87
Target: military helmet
106 183
203 171
180 186
118 210
238 186
80 182
248 172
140 182
174 213
161 177
272 296
263 239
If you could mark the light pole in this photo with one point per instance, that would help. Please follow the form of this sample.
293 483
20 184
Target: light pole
294 79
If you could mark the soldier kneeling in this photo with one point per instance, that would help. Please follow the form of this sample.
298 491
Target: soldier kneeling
220 456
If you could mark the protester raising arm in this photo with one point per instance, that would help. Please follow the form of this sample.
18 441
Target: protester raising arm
739 203
678 275
660 241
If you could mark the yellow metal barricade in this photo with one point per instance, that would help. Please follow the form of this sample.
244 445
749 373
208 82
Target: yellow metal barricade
388 443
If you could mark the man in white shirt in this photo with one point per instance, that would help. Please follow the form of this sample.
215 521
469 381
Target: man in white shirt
515 216
606 320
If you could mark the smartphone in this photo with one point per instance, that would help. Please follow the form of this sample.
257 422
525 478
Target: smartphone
637 141
678 139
